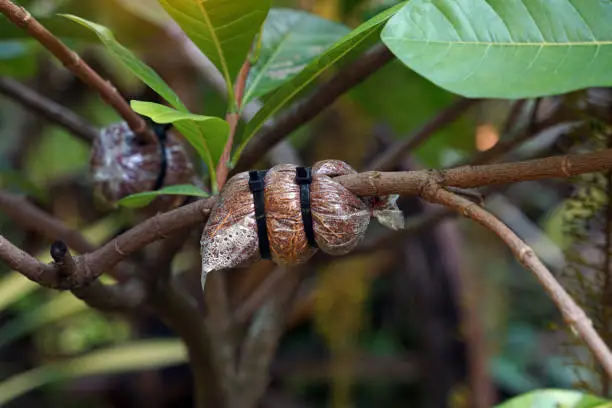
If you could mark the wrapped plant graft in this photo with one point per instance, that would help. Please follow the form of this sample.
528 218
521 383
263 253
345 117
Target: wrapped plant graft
286 214
122 165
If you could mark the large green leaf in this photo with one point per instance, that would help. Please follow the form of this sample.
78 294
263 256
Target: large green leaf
222 29
134 356
146 197
290 40
292 87
554 398
505 48
207 134
129 60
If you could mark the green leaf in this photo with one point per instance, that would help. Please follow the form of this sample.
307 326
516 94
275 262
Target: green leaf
134 356
223 30
292 87
129 60
143 199
505 48
554 398
207 134
290 40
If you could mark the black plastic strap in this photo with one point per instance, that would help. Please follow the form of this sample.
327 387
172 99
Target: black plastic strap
303 177
161 131
257 185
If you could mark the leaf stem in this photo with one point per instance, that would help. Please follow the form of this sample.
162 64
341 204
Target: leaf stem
232 117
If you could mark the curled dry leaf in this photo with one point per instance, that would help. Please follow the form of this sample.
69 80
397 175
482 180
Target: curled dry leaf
340 218
122 165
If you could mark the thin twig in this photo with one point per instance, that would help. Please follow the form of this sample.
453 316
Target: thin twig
48 109
574 316
71 60
232 117
394 154
307 109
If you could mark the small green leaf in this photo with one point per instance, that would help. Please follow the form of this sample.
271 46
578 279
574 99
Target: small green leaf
290 40
129 60
555 398
207 134
292 87
505 49
143 199
128 357
223 30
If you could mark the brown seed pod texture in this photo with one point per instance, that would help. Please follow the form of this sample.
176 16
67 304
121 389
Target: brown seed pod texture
340 218
121 166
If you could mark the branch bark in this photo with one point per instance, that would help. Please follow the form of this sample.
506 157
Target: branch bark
24 20
573 315
92 265
48 109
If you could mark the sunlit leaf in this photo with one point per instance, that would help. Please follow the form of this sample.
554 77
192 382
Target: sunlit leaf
145 198
505 49
150 10
290 40
223 30
129 60
207 134
553 398
129 357
292 87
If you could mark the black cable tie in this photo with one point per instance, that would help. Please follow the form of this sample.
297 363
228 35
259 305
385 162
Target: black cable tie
257 186
303 177
160 131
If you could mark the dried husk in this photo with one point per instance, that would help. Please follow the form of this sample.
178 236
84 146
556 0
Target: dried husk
121 165
340 218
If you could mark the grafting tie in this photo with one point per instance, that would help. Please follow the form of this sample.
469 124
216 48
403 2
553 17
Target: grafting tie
257 186
303 177
161 131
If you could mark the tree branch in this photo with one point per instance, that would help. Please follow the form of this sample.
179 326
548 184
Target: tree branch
24 20
411 182
371 183
305 110
574 316
48 109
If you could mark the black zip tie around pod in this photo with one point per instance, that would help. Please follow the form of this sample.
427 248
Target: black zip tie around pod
303 177
257 186
161 131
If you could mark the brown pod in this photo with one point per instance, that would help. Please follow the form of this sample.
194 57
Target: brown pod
122 165
340 218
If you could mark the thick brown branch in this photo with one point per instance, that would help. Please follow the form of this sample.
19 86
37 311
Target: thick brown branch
124 296
365 184
411 182
23 19
396 152
574 316
303 111
48 109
